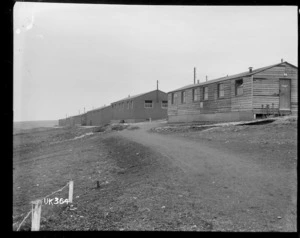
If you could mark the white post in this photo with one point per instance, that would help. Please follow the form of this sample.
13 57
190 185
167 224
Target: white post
71 186
36 215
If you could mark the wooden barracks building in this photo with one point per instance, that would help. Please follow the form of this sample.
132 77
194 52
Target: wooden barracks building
244 96
146 106
142 107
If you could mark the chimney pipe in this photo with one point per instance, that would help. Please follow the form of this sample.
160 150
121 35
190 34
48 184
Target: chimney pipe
250 69
206 78
281 60
198 81
194 75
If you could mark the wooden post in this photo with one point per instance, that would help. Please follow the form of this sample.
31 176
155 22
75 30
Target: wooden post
36 215
71 186
267 109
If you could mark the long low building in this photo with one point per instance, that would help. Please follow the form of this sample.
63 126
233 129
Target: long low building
142 107
244 96
99 116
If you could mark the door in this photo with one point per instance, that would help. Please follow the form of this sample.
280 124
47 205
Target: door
284 94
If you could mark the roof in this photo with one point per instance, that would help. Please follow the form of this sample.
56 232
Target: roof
98 108
244 74
132 97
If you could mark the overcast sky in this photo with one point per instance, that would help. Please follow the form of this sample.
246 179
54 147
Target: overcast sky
71 56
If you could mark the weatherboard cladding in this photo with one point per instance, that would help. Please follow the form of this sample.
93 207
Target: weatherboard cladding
240 75
133 108
261 86
133 112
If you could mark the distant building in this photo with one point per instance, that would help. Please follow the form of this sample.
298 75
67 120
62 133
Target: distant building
244 96
99 116
62 122
146 106
151 105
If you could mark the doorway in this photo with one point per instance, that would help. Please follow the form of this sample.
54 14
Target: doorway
285 94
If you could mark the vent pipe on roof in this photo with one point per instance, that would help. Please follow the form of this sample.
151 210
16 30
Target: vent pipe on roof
156 84
198 81
250 69
194 75
281 60
206 78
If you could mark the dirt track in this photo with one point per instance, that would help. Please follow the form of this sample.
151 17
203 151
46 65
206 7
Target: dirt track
234 188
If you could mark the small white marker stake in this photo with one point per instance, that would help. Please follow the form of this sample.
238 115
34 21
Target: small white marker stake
71 186
36 215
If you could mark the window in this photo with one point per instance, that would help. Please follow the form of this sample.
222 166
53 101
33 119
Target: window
205 94
164 104
239 87
148 104
172 98
183 97
195 94
220 90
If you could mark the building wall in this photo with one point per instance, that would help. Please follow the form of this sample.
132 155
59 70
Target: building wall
266 88
136 111
156 112
213 108
242 102
260 89
99 117
77 120
62 122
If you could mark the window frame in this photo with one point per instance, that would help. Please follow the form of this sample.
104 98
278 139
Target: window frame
148 102
219 87
166 102
205 99
183 97
236 86
194 92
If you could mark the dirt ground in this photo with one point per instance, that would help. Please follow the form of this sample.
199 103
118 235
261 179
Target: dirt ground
229 178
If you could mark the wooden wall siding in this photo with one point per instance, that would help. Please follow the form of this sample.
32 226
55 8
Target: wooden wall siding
172 108
189 107
274 72
212 105
139 111
215 104
242 102
265 90
265 87
292 73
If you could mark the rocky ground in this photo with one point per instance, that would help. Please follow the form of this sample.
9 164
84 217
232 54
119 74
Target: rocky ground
150 179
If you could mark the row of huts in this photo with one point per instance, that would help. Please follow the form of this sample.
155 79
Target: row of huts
245 96
142 107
